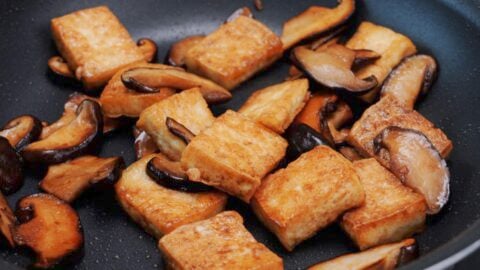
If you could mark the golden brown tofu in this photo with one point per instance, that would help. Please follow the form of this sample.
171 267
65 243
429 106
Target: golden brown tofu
95 44
221 242
188 108
234 52
233 155
276 106
389 112
117 100
392 47
391 211
160 210
296 202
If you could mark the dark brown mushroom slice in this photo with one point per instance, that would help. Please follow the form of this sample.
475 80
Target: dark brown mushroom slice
148 47
144 144
176 56
365 56
331 70
341 116
332 117
69 180
350 153
69 114
314 21
79 137
243 11
150 80
171 175
384 257
50 227
11 171
301 138
21 131
417 163
412 77
59 66
179 130
7 221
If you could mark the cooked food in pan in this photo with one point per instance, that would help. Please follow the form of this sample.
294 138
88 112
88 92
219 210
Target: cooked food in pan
338 142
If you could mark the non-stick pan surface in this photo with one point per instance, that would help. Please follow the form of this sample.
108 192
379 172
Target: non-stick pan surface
449 30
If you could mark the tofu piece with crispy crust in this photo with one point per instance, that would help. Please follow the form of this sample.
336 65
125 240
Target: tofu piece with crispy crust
391 211
160 210
189 108
389 112
296 202
221 242
95 44
392 47
276 106
233 155
234 52
117 100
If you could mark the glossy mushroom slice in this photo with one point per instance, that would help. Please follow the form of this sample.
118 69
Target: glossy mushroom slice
11 174
385 257
21 131
151 80
363 56
69 180
332 70
50 227
315 21
69 114
301 138
243 11
148 47
413 77
144 144
350 153
179 130
7 221
80 136
179 49
171 175
417 163
59 66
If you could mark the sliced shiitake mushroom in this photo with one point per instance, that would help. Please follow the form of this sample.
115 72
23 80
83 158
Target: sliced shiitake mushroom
384 257
413 76
365 56
176 56
179 130
69 114
315 21
301 138
332 70
243 11
148 48
350 153
171 175
417 163
69 180
50 227
329 38
21 131
59 66
150 80
80 136
7 221
144 144
11 174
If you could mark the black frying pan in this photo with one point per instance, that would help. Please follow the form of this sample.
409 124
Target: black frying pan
448 29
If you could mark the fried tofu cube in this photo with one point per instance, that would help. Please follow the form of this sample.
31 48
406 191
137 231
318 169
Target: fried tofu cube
391 211
160 210
392 47
221 242
234 52
95 44
276 106
296 202
117 100
233 155
389 112
189 108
